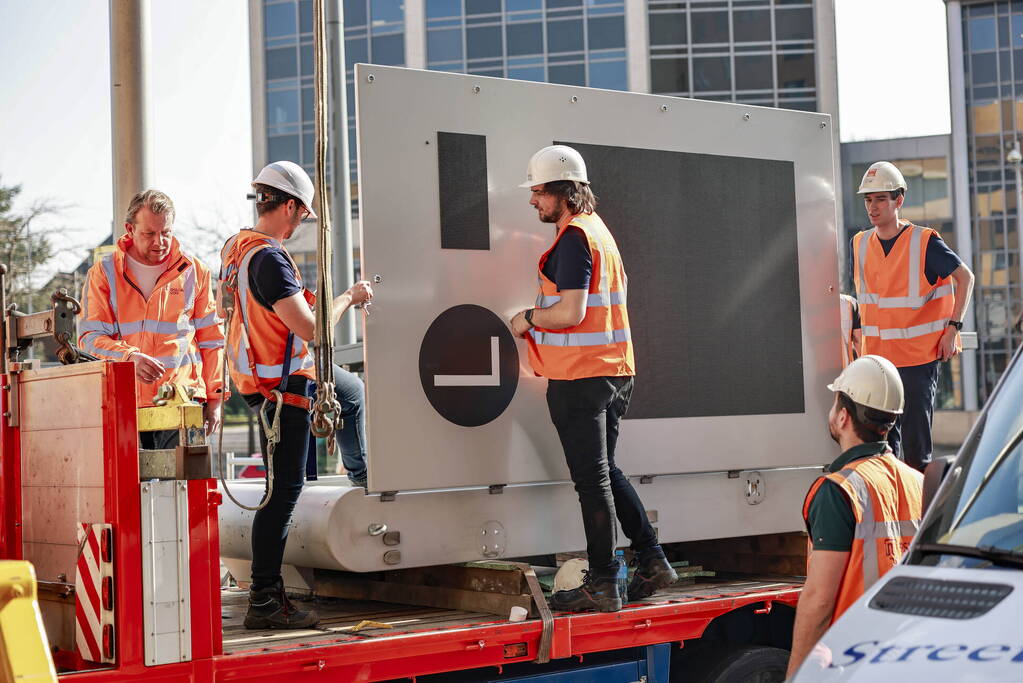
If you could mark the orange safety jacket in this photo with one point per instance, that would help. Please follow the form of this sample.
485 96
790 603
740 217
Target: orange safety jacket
256 337
885 496
902 315
177 324
601 345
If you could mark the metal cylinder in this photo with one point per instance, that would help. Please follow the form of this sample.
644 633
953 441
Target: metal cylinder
129 69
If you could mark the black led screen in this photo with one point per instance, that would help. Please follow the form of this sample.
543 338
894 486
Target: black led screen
464 210
709 246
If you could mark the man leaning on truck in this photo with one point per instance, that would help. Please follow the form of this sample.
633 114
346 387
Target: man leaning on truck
578 337
150 303
909 312
862 515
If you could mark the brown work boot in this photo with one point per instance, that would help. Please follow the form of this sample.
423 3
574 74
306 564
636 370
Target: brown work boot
598 592
652 573
270 608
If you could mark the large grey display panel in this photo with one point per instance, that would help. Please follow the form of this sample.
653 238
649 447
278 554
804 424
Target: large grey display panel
754 396
692 228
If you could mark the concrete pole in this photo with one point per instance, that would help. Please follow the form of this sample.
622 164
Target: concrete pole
129 69
1015 158
341 191
961 185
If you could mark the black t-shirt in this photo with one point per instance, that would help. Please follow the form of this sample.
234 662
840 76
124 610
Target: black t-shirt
271 277
570 264
939 262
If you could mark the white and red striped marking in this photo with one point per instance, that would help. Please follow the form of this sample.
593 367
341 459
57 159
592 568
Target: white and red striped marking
91 615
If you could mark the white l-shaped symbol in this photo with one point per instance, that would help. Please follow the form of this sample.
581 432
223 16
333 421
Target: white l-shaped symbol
491 380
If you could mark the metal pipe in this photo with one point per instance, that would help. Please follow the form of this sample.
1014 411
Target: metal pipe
341 194
1015 157
129 69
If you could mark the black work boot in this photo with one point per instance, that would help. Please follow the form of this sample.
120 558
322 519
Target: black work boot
599 592
270 608
652 573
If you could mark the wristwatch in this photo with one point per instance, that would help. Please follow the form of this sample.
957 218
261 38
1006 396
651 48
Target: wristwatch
956 324
528 315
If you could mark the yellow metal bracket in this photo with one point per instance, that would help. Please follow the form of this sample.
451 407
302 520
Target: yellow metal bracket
24 650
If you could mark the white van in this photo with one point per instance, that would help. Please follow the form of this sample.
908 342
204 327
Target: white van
953 609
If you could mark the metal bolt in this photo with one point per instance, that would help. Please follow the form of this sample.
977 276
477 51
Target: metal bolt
370 78
831 288
664 107
7 414
824 124
376 529
574 99
377 279
476 89
746 117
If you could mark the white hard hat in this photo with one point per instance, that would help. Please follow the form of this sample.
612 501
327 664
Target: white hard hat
570 574
882 176
872 381
556 162
291 178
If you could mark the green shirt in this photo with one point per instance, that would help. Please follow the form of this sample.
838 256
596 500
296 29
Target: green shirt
830 521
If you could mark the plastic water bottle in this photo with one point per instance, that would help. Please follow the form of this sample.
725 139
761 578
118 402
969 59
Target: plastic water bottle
623 575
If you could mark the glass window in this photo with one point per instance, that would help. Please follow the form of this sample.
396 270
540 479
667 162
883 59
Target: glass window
355 13
280 20
711 73
309 148
484 42
982 33
517 5
554 4
1017 30
753 72
794 24
606 32
751 26
669 75
444 46
986 118
356 52
984 68
609 75
387 11
306 56
565 36
525 39
281 62
389 50
668 29
282 107
527 73
443 8
284 148
795 71
305 16
482 6
709 27
567 74
308 106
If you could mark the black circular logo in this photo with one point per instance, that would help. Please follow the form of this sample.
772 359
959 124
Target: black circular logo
469 365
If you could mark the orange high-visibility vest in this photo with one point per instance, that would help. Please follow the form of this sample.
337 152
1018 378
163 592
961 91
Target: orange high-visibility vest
177 324
849 353
256 336
885 494
601 345
902 315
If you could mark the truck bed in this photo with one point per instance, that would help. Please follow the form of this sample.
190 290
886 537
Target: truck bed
401 641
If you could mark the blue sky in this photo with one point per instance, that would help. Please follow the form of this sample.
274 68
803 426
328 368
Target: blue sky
55 99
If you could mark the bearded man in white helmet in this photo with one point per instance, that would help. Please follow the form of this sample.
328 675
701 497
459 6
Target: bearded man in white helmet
578 337
862 514
271 364
912 292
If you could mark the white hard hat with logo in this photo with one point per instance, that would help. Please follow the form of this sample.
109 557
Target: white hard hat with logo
557 162
570 574
291 178
873 382
882 176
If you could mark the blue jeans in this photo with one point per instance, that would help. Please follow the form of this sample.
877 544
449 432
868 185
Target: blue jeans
351 439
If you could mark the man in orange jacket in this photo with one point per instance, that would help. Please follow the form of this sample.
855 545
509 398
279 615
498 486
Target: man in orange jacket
912 292
152 304
578 337
862 514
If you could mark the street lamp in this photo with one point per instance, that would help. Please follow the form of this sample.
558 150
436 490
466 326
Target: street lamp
1015 159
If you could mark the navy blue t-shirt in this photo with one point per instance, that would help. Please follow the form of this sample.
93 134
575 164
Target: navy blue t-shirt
271 277
570 264
939 262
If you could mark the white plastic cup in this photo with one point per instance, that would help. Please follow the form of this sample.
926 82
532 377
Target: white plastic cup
518 614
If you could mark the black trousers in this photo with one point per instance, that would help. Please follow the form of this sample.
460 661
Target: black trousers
160 439
910 438
587 413
270 525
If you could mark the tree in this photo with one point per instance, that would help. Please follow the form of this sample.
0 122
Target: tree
24 247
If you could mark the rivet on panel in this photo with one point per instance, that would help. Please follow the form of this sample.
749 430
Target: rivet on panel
664 107
376 529
392 557
746 117
824 124
370 78
574 99
476 89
